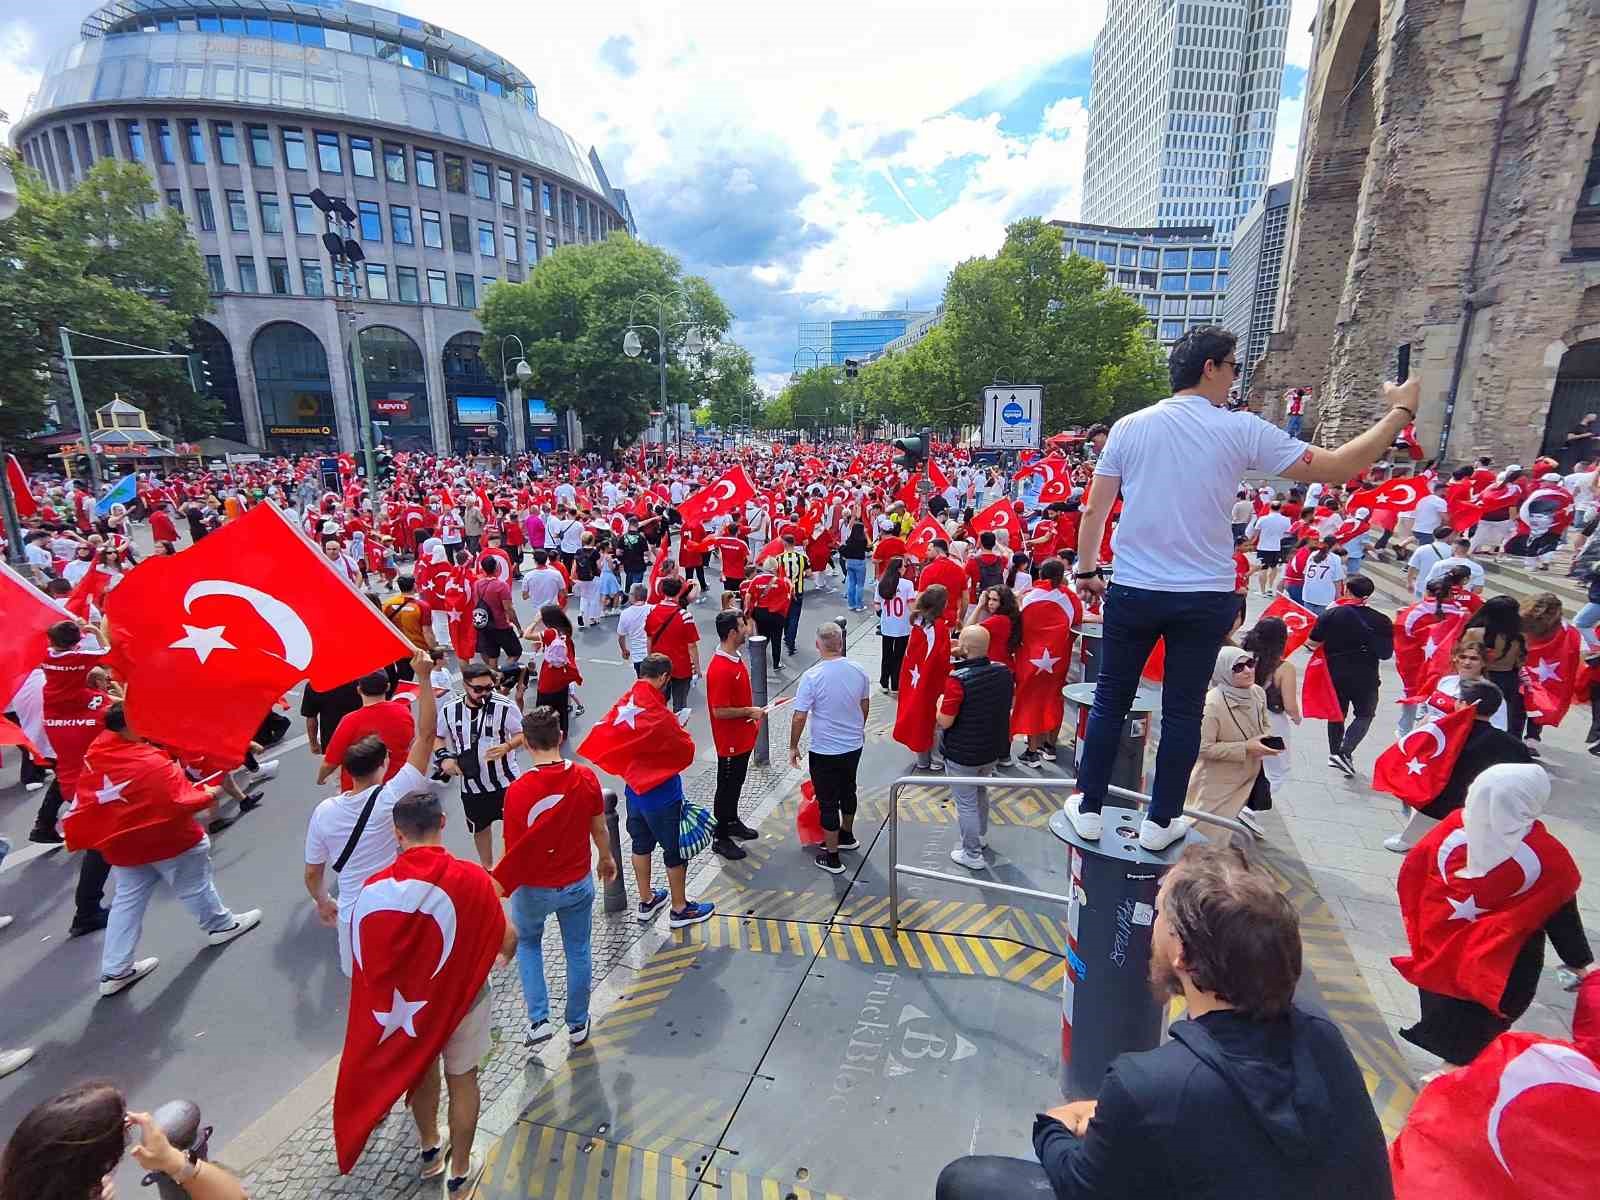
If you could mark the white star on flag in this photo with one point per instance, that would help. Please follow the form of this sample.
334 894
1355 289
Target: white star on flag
1414 766
109 793
1465 910
1046 662
203 640
1429 648
399 1017
627 714
1547 670
916 674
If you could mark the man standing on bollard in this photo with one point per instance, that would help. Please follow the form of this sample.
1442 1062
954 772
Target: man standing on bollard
554 812
974 713
735 721
835 693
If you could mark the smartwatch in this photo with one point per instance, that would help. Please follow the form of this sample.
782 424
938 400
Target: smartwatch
1097 573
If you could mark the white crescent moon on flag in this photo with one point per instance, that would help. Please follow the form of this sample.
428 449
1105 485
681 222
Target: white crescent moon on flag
726 495
1294 621
1540 1064
1447 847
1432 729
1523 856
285 622
405 896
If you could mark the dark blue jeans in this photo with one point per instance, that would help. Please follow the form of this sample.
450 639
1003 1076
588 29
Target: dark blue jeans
791 626
1194 625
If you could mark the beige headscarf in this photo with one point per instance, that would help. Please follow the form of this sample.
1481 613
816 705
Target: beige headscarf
1222 676
1502 805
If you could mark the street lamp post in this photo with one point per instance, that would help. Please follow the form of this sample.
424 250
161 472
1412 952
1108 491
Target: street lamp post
523 373
693 341
345 252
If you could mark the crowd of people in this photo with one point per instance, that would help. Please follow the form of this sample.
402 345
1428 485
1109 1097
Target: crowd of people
982 581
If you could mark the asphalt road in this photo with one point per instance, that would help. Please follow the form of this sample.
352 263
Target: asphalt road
233 1028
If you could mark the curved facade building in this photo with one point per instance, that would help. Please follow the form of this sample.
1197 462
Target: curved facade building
239 109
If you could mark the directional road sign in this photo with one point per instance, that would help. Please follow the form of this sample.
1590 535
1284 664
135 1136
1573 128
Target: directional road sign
1012 417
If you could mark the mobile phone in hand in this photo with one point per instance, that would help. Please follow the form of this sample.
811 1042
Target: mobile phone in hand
1273 742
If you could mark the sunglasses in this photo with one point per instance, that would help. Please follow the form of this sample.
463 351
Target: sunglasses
1232 362
1244 664
480 689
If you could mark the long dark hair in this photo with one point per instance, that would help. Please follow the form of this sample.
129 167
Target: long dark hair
1018 561
1266 640
890 583
1008 608
64 1147
1323 550
551 617
1500 618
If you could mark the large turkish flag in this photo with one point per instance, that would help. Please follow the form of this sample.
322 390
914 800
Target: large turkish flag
639 740
922 675
920 540
1397 495
423 935
1554 664
723 494
25 614
1465 933
1001 516
1297 619
208 638
1413 642
1049 618
1419 763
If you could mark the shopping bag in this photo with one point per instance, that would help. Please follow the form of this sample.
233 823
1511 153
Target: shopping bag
808 821
694 830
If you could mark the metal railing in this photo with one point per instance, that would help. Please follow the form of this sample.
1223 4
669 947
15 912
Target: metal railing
1065 784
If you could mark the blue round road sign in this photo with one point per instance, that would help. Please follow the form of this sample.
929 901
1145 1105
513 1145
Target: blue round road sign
1012 414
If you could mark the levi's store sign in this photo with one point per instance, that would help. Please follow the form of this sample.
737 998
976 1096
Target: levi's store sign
394 406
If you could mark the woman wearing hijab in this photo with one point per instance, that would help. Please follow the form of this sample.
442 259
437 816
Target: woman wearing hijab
1281 682
1232 727
1479 895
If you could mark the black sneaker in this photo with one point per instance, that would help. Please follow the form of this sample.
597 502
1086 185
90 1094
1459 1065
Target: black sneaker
1030 759
691 913
92 924
1594 733
743 832
649 908
251 802
728 848
45 837
1047 752
847 841
829 863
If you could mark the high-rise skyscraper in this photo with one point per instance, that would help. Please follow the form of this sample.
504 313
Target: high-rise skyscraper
1182 105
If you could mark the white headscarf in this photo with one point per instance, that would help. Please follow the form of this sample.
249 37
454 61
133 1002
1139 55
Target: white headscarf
1502 805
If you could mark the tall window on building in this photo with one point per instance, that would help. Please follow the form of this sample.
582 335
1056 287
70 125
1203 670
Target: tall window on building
260 145
133 141
370 220
508 236
394 162
400 225
527 194
203 214
480 180
305 215
486 239
214 276
460 237
328 160
227 146
438 287
455 174
175 199
549 199
278 276
432 233
195 143
361 163
426 176
247 274
294 149
405 280
163 136
271 214
238 218
311 276
377 281
466 291
507 187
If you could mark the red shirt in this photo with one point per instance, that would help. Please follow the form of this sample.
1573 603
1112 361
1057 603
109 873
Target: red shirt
1067 530
1241 571
767 590
390 720
670 630
948 572
893 546
495 594
549 848
161 527
735 553
999 627
728 686
552 678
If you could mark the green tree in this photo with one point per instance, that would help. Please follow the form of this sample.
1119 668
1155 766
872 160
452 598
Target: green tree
821 398
731 395
93 260
572 312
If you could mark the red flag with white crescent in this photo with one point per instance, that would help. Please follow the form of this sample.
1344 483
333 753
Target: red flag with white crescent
89 592
639 740
1297 619
1438 651
1517 1123
1555 664
1050 618
1465 934
21 497
999 517
922 676
920 540
1416 768
228 625
723 494
1319 700
423 935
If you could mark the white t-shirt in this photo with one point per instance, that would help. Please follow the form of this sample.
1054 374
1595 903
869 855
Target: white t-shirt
1423 559
630 628
1430 513
1179 463
1321 580
1271 529
571 537
542 586
832 691
1449 564
894 614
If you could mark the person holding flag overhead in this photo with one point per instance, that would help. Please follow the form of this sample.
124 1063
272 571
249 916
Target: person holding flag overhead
641 741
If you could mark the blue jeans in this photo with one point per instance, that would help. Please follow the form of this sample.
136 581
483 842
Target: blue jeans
1292 428
1194 625
791 625
187 874
855 582
573 907
1586 620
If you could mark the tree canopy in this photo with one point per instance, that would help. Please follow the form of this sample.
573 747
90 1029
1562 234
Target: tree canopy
91 259
572 313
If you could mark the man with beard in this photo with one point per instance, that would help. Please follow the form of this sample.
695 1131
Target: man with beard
1248 1061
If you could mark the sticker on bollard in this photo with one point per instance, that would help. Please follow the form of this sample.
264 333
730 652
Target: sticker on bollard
1127 771
1107 1007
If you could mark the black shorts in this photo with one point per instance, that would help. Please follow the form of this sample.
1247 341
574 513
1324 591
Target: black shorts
1269 558
492 641
483 809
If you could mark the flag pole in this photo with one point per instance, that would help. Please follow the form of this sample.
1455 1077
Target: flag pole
14 552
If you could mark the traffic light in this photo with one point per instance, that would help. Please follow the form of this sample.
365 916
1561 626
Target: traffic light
200 380
851 368
385 462
913 450
80 465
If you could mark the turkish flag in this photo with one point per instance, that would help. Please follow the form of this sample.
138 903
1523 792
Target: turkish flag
922 675
90 591
920 540
999 517
1464 513
1057 491
723 494
208 638
937 477
1438 651
1297 618
1155 667
423 935
21 497
132 800
639 740
1053 466
1548 509
1050 617
658 565
1318 698
1349 529
25 614
908 494
1411 651
1517 1123
1465 934
771 550
1415 768
1555 664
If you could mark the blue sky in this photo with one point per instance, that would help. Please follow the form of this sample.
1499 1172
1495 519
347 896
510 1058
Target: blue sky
809 160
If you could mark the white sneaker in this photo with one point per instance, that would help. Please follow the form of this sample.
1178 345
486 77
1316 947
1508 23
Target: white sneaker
1396 843
32 787
14 1060
265 771
242 923
111 986
5 921
1087 825
972 862
580 1035
1155 837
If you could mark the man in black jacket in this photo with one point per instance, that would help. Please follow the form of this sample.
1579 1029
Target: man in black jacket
1253 1098
1356 639
975 714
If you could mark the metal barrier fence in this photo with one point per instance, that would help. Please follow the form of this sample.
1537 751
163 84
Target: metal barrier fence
896 868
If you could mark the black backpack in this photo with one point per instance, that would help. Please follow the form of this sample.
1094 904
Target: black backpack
991 571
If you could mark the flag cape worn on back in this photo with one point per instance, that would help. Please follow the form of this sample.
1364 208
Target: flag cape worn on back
206 639
922 674
423 935
1556 664
1050 616
132 803
1465 934
639 740
1319 700
1416 768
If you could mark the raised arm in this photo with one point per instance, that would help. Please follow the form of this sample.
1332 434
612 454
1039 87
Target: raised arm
427 713
1319 465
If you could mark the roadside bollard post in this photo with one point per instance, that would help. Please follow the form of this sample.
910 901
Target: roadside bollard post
756 648
616 890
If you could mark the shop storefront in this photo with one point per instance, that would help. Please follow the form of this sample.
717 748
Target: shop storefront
294 390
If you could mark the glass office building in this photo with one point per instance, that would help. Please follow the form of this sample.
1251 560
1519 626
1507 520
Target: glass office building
1179 276
239 109
861 338
1183 102
1257 264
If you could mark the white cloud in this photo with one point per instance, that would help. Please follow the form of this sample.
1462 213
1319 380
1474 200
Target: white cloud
1286 139
20 57
1301 16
